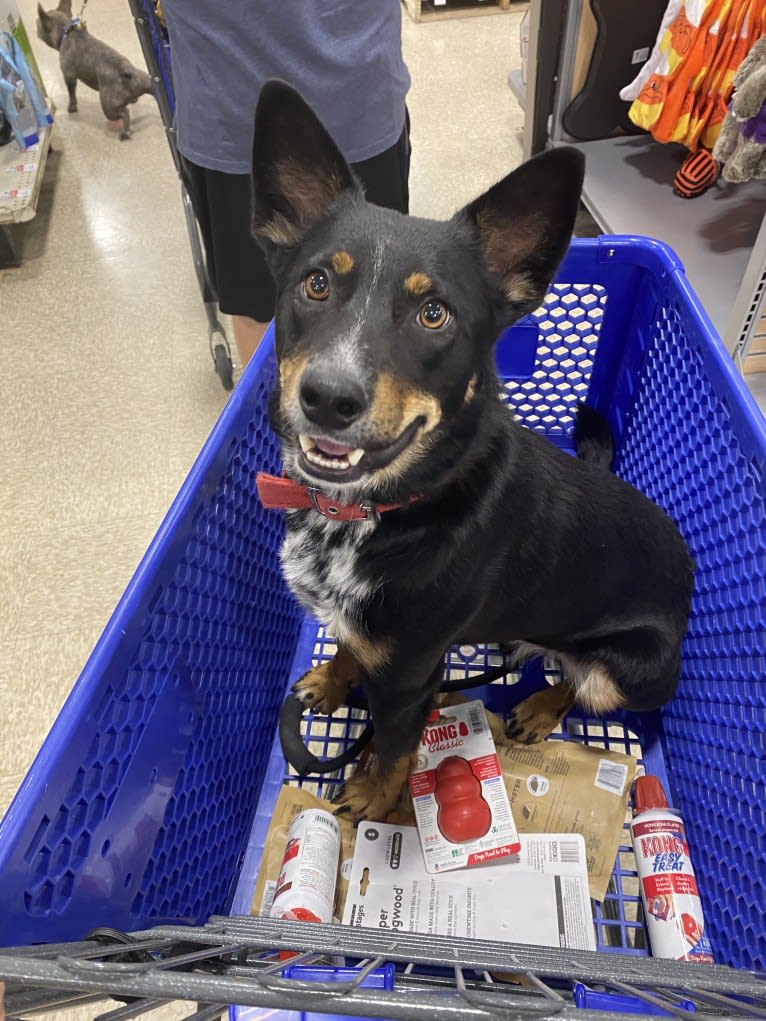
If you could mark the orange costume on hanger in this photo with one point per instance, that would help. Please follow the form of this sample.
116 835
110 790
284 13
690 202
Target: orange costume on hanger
685 98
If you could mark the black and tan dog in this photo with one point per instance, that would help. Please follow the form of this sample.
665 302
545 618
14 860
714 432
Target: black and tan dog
424 515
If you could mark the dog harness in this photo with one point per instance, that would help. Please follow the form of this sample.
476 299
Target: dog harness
278 493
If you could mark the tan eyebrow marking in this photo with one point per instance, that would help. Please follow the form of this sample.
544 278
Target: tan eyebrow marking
342 262
417 283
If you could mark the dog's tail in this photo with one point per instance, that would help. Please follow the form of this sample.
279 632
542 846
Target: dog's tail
593 437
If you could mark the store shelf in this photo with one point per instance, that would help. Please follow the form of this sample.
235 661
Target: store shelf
628 190
21 175
517 86
436 10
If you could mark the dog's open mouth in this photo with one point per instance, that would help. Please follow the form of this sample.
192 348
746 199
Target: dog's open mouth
336 462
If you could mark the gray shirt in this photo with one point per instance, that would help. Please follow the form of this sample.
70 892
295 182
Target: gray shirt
344 56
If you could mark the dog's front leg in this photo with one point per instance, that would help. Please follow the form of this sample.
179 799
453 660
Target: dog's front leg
324 688
71 84
400 699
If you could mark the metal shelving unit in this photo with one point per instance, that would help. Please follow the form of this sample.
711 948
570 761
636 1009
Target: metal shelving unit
720 236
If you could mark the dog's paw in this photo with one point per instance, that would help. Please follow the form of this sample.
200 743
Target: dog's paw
533 719
369 795
320 689
125 135
72 108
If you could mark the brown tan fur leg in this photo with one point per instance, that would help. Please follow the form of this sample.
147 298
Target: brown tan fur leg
324 688
375 793
596 691
533 719
496 725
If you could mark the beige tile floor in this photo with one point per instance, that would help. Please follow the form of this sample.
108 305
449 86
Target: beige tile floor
107 388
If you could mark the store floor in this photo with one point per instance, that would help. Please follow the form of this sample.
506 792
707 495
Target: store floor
108 389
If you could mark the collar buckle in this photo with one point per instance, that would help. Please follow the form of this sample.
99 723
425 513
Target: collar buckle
370 511
323 505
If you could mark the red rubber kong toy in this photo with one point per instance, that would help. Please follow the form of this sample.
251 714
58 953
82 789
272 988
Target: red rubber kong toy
464 815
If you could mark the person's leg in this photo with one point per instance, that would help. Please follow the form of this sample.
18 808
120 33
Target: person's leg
386 176
248 333
237 270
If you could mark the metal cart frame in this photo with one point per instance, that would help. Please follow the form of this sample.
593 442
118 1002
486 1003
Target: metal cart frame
236 961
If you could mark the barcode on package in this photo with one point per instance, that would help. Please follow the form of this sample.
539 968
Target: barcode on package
569 851
476 719
269 889
611 776
327 822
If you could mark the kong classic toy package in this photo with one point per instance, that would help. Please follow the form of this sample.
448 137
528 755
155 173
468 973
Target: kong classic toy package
461 804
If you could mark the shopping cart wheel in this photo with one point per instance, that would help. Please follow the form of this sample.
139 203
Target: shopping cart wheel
223 366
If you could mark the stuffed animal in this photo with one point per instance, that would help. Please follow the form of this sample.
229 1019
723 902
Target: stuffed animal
741 146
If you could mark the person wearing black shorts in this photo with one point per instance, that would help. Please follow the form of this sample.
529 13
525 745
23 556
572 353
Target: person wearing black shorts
344 56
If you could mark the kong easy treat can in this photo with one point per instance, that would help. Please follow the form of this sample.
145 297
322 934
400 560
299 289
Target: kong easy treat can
668 885
306 885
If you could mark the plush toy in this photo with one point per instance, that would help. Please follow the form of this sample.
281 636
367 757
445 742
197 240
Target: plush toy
741 146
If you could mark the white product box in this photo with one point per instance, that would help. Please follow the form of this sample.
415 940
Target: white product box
539 896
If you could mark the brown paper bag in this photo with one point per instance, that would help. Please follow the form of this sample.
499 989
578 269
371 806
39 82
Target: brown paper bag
291 802
567 787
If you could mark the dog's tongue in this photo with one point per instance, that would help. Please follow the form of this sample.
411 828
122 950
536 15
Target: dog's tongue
335 449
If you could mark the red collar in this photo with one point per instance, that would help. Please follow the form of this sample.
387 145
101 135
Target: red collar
277 493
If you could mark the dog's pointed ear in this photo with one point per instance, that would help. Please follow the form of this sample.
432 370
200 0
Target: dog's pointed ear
525 222
42 14
297 168
65 6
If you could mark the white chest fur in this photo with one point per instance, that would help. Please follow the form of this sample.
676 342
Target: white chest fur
320 563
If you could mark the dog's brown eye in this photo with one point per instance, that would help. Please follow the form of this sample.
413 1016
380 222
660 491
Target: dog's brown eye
433 315
316 285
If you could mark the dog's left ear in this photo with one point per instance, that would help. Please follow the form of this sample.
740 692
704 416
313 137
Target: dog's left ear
525 223
297 168
65 6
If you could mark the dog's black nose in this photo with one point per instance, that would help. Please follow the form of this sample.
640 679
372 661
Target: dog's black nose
330 399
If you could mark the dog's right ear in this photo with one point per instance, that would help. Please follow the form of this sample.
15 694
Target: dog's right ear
43 15
65 6
297 168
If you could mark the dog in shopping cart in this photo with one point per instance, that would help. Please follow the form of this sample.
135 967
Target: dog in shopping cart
84 58
420 513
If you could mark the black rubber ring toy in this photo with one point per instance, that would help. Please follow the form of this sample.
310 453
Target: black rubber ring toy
305 763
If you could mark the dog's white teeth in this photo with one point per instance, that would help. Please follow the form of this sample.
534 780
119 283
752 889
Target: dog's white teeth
324 461
306 443
355 456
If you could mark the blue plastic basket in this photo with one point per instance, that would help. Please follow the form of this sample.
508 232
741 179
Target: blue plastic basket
150 798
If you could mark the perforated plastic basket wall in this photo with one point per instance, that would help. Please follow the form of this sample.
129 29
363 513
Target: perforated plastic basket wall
140 804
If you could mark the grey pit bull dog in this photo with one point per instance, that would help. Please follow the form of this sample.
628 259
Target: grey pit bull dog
85 58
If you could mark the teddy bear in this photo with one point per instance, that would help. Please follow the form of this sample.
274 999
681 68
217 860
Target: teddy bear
741 145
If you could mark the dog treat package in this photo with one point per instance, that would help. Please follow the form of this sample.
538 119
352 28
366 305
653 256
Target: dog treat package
461 805
567 787
290 803
538 896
